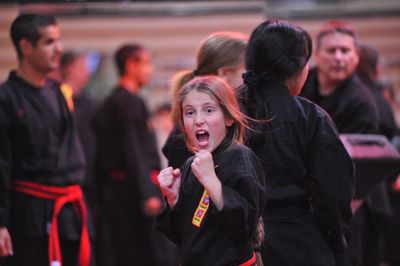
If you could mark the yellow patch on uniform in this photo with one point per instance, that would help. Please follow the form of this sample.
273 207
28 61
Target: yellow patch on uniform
68 93
201 209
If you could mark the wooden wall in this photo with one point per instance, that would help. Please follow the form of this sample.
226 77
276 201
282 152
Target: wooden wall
173 41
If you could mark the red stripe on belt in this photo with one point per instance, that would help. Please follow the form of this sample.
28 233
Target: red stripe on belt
250 261
61 196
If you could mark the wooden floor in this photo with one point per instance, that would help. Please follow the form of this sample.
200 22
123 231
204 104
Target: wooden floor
173 40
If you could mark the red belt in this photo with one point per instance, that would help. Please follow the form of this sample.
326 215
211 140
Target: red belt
250 261
61 196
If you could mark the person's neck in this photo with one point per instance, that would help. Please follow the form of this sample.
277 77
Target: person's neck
30 75
325 86
129 84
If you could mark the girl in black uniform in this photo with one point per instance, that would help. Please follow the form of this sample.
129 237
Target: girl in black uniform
308 173
215 200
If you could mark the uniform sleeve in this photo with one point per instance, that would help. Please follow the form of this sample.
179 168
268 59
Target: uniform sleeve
169 223
244 199
333 178
5 165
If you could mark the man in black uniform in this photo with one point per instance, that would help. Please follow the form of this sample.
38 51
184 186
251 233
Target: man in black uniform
333 84
126 157
43 217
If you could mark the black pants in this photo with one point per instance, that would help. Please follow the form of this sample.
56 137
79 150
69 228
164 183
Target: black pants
33 251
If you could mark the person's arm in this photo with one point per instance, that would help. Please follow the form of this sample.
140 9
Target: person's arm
5 173
203 169
6 248
170 181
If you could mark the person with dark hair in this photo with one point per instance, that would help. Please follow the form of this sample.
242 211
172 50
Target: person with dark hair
368 71
309 175
126 159
216 198
334 85
222 54
384 226
43 217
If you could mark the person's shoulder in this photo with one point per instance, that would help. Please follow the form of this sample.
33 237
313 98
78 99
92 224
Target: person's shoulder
309 107
5 89
239 151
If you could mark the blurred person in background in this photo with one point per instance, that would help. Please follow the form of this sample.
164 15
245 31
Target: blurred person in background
369 70
126 161
162 124
43 217
386 224
221 54
334 85
75 75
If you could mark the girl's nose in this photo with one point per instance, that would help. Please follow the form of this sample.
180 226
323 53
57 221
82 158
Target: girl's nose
199 120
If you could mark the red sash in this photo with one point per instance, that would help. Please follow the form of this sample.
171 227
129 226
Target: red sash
250 262
61 196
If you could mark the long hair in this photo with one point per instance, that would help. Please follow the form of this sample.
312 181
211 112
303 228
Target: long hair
277 50
220 49
223 94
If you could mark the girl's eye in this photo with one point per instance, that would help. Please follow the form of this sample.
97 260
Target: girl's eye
209 110
188 113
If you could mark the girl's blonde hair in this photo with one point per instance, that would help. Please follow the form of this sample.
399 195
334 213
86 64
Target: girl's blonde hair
220 49
223 94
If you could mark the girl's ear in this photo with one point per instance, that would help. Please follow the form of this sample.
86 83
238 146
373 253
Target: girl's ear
229 121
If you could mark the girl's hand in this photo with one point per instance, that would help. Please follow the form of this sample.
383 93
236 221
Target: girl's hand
170 181
203 168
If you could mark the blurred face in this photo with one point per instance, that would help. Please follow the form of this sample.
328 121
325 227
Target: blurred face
234 76
142 69
45 56
77 74
204 121
337 57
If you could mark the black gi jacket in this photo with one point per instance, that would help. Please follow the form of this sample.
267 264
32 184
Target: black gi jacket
351 106
125 145
36 146
307 171
225 237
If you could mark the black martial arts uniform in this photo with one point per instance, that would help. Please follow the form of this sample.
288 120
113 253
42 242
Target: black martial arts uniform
223 237
308 176
38 144
126 154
